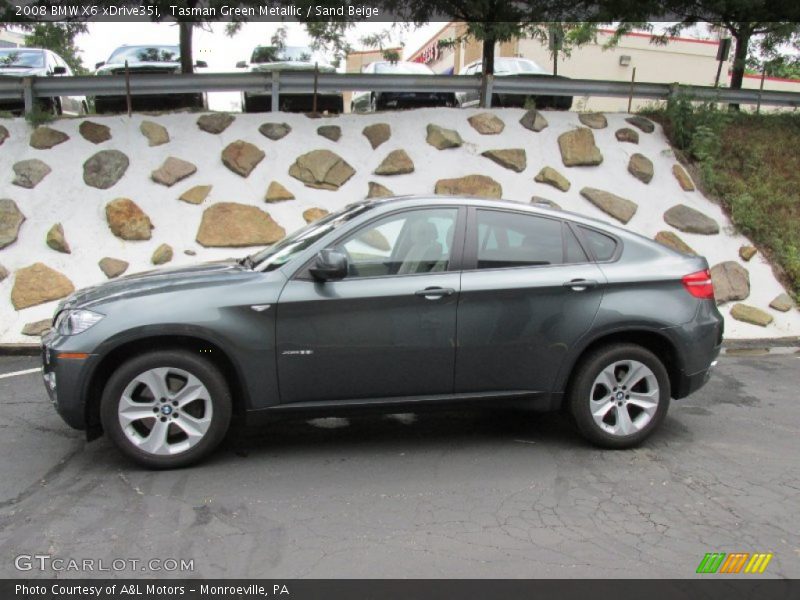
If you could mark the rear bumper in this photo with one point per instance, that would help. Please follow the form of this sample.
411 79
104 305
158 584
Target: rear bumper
699 343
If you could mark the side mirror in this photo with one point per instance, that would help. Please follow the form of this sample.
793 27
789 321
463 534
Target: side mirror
201 64
99 64
59 70
242 64
330 265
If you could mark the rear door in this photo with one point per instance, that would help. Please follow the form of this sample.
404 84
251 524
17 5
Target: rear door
528 293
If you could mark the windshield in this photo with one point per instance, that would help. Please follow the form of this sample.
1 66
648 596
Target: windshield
19 57
517 66
279 254
403 68
136 54
268 54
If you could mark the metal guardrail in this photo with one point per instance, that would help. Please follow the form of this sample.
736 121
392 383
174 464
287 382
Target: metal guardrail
275 83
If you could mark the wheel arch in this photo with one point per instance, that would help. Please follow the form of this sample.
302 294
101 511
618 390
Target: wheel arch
127 349
653 340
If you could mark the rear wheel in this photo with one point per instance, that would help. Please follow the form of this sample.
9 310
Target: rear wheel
619 395
166 409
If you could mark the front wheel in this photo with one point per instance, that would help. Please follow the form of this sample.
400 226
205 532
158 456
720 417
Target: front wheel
619 395
166 409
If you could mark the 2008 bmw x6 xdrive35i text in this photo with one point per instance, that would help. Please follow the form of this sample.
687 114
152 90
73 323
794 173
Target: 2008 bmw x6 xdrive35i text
388 304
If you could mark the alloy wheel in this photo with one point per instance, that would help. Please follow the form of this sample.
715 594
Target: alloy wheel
624 397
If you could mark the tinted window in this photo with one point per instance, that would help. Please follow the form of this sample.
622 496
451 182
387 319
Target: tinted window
403 68
508 239
573 253
268 54
18 57
418 241
137 54
603 246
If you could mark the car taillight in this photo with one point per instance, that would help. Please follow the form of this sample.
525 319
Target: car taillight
699 284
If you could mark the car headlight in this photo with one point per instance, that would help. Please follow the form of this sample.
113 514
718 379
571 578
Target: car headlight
73 322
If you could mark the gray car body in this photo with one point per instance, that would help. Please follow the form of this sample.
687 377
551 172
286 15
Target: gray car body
287 342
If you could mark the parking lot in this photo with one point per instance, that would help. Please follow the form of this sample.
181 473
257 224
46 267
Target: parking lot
447 494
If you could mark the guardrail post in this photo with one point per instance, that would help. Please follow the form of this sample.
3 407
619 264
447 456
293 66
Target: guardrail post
489 86
27 94
276 75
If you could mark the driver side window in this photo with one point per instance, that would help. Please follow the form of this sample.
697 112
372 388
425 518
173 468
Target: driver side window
412 242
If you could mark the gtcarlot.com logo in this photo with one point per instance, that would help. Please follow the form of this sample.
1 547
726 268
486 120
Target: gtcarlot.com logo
734 563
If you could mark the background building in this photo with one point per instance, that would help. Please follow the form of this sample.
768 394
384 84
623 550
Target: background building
11 39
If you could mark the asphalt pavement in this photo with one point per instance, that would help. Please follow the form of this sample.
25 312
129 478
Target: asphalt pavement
472 493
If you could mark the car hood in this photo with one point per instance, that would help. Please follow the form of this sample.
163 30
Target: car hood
153 282
167 67
18 72
290 66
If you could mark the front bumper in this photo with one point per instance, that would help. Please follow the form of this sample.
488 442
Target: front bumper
65 381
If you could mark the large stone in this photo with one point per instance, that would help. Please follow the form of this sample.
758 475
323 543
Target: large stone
56 240
10 221
44 138
162 255
275 131
683 178
38 284
331 132
277 193
112 267
396 162
314 214
215 122
672 240
552 177
196 194
105 168
376 190
620 208
233 225
377 133
510 158
470 185
28 173
172 171
782 302
644 124
94 132
747 252
441 138
156 134
538 200
242 157
486 123
687 219
626 134
533 120
578 148
127 221
37 328
375 239
750 314
3 134
3 272
731 281
321 169
640 167
593 120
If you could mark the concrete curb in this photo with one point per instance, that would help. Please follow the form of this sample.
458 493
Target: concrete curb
728 345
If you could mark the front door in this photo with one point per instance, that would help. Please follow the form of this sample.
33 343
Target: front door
528 293
387 329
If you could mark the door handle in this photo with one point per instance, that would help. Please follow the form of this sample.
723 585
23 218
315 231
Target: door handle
579 285
435 292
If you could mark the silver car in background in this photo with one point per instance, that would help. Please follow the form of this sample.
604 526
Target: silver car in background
368 101
38 62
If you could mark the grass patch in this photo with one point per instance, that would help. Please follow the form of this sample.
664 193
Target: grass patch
750 164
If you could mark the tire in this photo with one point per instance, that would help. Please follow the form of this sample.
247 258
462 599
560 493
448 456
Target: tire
196 399
600 386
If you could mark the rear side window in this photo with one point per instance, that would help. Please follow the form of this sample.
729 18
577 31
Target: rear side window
603 246
508 239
